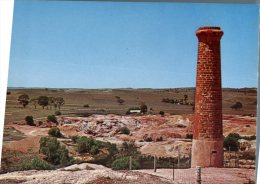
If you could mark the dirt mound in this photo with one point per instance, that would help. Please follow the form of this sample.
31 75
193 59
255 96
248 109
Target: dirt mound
80 177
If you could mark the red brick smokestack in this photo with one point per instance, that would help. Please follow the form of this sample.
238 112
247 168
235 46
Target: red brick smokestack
207 144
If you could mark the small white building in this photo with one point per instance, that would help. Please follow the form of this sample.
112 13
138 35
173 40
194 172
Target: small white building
136 111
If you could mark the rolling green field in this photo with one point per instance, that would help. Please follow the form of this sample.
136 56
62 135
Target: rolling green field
105 102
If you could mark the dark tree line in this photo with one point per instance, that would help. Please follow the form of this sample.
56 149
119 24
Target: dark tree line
43 101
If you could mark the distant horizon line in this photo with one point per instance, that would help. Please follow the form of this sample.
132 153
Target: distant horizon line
121 88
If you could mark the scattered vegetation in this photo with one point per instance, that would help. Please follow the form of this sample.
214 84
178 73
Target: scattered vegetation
189 136
29 120
57 113
124 162
37 164
86 105
59 101
23 100
248 155
56 154
43 101
161 113
52 118
119 100
249 138
34 101
125 130
236 106
178 101
231 142
55 132
143 108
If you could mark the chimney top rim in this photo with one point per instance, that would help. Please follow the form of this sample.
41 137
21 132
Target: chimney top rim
205 28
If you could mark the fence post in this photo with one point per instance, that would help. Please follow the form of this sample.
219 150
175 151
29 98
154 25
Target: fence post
190 158
130 163
154 163
229 156
178 157
173 170
198 175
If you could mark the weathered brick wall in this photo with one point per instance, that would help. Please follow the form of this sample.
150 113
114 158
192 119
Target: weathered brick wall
208 98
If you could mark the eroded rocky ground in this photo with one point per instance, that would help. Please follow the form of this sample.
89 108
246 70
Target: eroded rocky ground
163 136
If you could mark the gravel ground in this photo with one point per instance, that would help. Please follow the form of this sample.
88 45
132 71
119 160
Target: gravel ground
208 175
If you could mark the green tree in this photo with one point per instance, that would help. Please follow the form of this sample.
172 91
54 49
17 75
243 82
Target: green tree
23 100
51 101
56 154
185 98
143 108
58 102
34 101
29 120
43 101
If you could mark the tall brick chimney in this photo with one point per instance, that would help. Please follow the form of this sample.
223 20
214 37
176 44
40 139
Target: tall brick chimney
207 144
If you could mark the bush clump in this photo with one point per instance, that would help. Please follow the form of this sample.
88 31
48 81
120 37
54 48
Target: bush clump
189 136
37 164
161 113
125 130
84 144
89 145
57 113
123 163
231 142
55 132
52 118
29 120
74 138
56 154
248 155
86 105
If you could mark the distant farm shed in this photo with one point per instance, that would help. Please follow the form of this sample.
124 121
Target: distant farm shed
135 111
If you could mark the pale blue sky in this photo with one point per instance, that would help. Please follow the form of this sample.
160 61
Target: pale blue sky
119 45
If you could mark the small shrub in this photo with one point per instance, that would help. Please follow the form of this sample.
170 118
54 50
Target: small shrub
55 132
123 163
29 120
86 105
248 155
231 142
237 105
52 118
125 130
57 113
37 164
8 93
84 144
249 138
40 123
189 136
143 108
161 113
74 139
94 149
